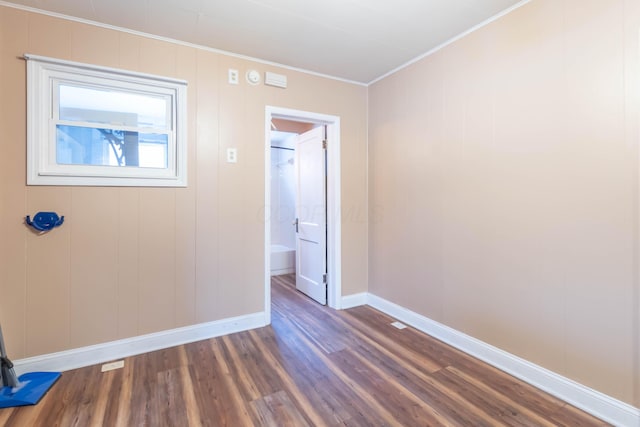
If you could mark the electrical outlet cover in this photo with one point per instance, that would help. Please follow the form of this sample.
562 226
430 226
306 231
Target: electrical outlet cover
232 155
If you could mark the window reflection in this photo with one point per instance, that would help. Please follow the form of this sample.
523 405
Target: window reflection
113 107
107 147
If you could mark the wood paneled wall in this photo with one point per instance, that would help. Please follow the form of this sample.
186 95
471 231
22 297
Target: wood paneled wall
504 188
130 261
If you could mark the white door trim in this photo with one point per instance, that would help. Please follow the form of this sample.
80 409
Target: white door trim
334 230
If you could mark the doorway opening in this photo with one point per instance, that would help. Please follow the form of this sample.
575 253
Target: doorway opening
297 122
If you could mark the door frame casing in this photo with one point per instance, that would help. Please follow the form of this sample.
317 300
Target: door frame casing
334 229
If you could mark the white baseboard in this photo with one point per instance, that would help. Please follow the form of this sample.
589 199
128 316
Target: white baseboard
354 300
100 353
598 404
283 271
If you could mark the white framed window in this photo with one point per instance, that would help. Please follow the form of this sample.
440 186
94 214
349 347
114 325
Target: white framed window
91 125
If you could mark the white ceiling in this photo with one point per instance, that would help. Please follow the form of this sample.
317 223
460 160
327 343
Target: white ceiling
356 40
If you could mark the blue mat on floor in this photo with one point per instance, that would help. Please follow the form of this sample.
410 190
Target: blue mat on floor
31 388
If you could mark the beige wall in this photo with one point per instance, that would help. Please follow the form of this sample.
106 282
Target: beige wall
130 261
293 127
504 188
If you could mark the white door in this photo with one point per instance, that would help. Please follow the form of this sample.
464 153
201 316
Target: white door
311 214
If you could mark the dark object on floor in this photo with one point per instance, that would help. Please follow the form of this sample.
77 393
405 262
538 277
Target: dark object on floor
28 389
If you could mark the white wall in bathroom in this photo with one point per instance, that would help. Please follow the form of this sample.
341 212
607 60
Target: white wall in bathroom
282 190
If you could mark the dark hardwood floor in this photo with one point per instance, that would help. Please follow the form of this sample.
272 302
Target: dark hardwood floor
313 366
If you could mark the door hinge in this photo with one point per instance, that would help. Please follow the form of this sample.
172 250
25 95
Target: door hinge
324 278
324 144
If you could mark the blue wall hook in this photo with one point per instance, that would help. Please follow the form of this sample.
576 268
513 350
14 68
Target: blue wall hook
45 221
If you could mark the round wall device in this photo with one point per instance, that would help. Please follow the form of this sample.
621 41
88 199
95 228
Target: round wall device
253 77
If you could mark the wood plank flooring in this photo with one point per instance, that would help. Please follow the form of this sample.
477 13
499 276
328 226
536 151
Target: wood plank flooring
313 366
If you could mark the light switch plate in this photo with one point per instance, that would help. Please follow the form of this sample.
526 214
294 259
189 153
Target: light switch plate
234 76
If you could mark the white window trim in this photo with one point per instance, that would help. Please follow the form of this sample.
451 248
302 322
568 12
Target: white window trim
43 73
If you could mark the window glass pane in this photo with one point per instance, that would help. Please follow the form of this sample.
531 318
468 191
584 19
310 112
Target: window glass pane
108 106
77 145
